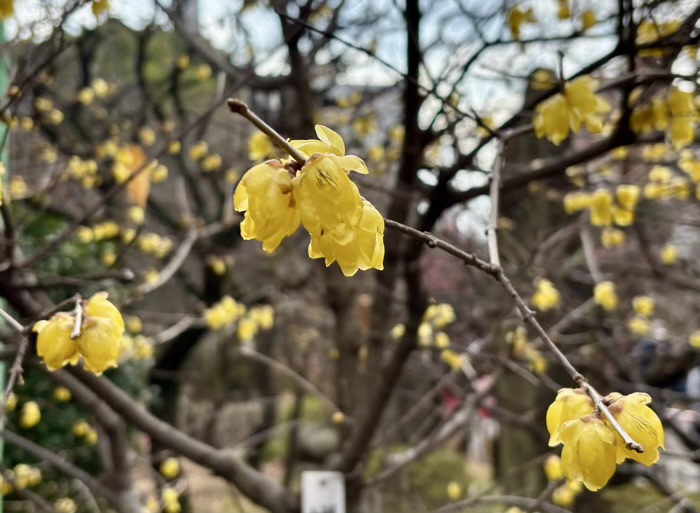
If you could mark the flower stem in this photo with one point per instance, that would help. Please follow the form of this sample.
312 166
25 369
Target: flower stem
78 326
239 107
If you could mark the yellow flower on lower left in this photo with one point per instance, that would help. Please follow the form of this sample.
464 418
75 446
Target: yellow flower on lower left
589 453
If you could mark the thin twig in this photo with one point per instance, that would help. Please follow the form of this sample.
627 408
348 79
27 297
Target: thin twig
239 107
494 194
15 376
11 321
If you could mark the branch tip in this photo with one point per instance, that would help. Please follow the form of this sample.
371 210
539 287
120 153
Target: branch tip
237 106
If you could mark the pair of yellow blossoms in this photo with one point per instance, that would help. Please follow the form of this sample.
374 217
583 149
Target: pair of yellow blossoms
592 450
344 227
99 340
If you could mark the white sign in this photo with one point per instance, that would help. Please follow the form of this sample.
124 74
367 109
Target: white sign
322 492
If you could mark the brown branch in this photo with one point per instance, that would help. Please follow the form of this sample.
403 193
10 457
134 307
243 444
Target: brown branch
259 488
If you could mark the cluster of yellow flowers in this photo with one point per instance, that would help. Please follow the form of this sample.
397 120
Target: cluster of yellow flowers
83 430
546 296
98 342
566 112
228 311
82 170
100 231
435 319
643 307
137 347
676 114
592 449
605 209
650 31
153 244
170 499
524 349
260 147
224 313
20 477
516 18
344 227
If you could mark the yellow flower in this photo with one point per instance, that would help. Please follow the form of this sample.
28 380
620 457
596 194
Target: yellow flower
398 331
99 7
11 402
643 306
62 394
601 208
211 163
639 326
650 31
147 136
441 315
642 424
361 249
454 490
99 344
546 296
54 344
589 453
612 237
570 404
516 18
442 340
576 202
627 196
622 216
99 306
271 213
175 147
693 340
199 150
247 328
7 8
260 147
452 359
604 295
134 324
563 496
588 19
669 254
564 12
65 505
577 106
553 469
170 468
338 418
30 415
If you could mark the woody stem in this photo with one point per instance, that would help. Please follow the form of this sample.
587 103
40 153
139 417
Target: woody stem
239 107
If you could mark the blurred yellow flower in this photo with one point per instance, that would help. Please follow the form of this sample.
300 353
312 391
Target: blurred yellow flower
30 415
604 295
568 112
546 296
669 254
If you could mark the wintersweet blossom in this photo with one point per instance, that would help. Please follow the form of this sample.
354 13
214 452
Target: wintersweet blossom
277 197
